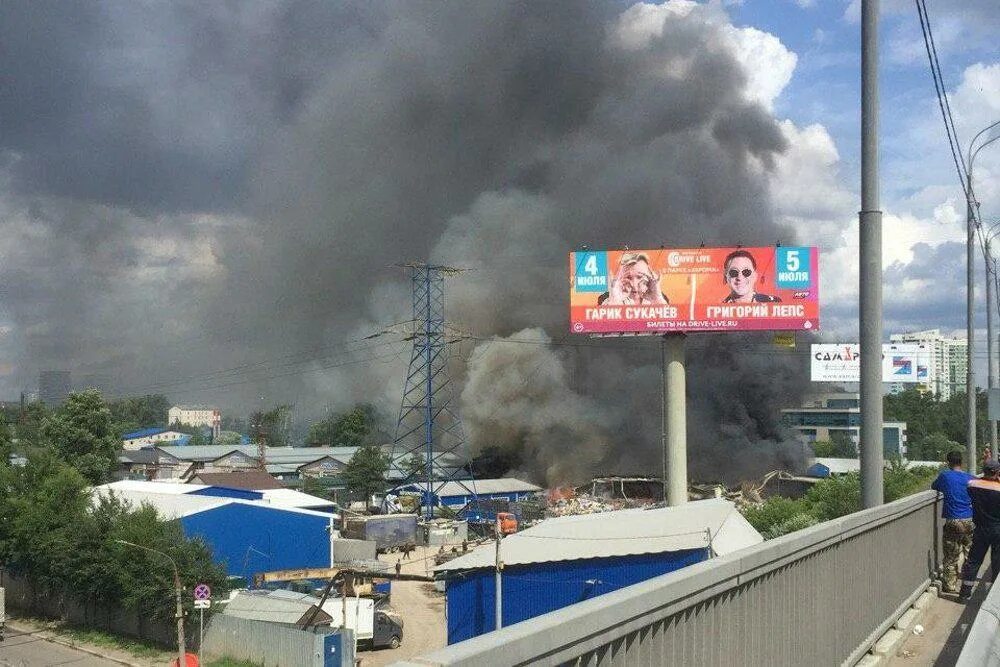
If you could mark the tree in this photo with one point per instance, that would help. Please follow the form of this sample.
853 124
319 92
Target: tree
934 447
839 446
82 433
138 412
272 425
364 474
361 425
415 466
229 439
200 435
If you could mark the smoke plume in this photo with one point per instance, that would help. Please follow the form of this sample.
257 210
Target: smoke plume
217 186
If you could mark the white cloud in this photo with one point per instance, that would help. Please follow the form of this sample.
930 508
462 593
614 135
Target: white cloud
768 64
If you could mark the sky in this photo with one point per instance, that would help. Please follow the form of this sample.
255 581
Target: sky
208 200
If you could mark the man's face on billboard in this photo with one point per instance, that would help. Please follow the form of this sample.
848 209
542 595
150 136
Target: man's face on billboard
741 276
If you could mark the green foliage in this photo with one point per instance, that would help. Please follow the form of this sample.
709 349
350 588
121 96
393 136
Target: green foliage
229 439
364 474
200 435
415 466
107 640
933 447
839 446
272 425
359 426
53 536
136 412
832 498
925 416
82 433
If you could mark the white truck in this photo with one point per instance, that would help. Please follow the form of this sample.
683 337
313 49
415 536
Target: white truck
376 627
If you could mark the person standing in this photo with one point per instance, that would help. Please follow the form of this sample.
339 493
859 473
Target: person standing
956 510
985 495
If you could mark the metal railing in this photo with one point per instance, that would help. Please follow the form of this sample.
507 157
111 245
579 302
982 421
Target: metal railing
819 596
982 644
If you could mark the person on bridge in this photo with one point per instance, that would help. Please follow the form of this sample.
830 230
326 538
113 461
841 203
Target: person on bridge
985 495
956 510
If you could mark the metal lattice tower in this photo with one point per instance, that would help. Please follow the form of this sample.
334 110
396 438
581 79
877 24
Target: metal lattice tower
428 426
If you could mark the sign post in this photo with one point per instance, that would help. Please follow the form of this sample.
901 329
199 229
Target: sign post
202 601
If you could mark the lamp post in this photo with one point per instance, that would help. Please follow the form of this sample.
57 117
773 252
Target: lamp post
991 360
971 206
181 649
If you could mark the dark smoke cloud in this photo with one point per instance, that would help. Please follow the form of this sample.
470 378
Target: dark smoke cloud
255 170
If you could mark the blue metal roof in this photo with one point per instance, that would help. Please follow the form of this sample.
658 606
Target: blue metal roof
143 433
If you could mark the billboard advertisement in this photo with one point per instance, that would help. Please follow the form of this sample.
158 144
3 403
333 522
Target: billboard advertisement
840 362
694 289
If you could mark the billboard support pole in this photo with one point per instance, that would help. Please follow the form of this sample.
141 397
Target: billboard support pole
675 412
870 260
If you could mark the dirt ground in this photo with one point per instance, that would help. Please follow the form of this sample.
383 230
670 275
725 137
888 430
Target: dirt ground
421 607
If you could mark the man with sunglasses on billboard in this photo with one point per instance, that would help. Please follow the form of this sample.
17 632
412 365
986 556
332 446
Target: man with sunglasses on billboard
740 274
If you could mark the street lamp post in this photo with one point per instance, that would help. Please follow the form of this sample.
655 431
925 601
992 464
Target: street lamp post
971 206
178 591
991 359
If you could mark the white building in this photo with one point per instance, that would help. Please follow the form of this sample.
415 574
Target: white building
153 436
949 360
196 416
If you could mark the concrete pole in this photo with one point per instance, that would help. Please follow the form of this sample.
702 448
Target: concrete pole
675 403
990 360
970 295
181 649
870 259
663 410
498 584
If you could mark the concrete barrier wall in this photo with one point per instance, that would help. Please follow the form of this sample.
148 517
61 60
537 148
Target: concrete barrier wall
982 644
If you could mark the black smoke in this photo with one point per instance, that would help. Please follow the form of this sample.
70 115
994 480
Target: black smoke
198 186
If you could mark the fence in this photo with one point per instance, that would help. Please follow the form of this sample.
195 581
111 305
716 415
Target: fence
275 645
22 597
820 596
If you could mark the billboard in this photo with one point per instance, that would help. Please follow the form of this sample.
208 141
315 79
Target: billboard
694 289
840 362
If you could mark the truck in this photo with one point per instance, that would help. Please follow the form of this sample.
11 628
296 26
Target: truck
374 625
389 532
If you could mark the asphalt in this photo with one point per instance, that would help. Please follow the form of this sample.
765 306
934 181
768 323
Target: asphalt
24 650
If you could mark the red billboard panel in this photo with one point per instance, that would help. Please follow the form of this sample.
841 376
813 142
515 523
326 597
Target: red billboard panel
694 289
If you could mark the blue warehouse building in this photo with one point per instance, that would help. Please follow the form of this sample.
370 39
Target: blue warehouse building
566 560
246 536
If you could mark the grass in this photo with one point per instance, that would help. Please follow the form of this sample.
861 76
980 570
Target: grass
231 662
136 647
99 638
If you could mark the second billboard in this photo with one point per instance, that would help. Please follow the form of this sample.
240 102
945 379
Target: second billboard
694 289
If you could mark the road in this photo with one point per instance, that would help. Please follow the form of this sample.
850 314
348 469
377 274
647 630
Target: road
422 610
21 650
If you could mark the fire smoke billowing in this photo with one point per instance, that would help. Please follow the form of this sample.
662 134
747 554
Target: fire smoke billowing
312 146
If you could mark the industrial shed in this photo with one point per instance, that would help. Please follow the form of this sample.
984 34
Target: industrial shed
569 559
458 494
245 536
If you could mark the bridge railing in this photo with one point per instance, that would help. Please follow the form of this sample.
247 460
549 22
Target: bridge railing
819 596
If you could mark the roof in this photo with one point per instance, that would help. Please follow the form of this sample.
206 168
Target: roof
137 456
143 433
622 533
252 480
174 501
274 606
843 466
482 487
